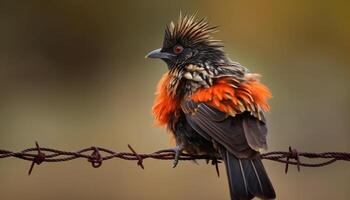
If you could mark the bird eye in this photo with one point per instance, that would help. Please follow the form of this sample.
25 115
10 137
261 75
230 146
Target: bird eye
178 49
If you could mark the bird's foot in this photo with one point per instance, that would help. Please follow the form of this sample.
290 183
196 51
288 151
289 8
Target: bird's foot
213 161
216 162
178 151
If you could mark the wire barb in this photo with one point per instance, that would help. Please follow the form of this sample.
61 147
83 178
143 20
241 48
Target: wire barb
37 159
293 154
140 160
95 159
96 155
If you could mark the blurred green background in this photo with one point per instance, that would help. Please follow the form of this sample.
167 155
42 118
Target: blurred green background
73 75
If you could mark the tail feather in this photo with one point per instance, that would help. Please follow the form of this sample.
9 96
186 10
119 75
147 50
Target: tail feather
247 178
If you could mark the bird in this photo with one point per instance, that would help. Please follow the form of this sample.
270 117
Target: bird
213 106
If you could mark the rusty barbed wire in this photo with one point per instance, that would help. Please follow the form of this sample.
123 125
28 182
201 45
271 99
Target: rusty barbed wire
96 155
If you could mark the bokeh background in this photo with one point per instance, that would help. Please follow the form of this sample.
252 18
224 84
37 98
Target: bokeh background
73 75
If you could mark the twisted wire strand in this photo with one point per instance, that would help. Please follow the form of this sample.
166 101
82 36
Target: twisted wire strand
96 155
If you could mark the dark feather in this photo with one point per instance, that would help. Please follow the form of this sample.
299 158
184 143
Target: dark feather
191 32
243 135
247 178
239 138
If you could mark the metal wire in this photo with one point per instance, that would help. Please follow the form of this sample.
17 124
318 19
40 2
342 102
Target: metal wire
96 155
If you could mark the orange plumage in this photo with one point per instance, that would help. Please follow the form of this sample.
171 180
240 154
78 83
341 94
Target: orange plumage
164 105
223 96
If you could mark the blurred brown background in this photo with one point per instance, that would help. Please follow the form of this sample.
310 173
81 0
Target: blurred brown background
73 75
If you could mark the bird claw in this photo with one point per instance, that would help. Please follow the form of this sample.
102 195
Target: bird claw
178 151
212 161
215 161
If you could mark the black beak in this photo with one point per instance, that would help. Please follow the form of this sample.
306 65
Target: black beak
158 54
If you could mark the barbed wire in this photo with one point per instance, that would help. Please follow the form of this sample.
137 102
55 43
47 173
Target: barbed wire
96 155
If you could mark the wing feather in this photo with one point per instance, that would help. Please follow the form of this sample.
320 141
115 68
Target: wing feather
243 135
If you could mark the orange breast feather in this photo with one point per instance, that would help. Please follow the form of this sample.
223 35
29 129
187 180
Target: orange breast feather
249 95
164 105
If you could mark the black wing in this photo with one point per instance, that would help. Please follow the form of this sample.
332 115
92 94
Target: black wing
243 135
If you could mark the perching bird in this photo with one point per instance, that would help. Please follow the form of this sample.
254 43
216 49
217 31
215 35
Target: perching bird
213 106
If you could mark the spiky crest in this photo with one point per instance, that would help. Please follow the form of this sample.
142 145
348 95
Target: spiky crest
191 32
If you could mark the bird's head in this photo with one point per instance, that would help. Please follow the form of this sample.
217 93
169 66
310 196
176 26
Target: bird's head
189 41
